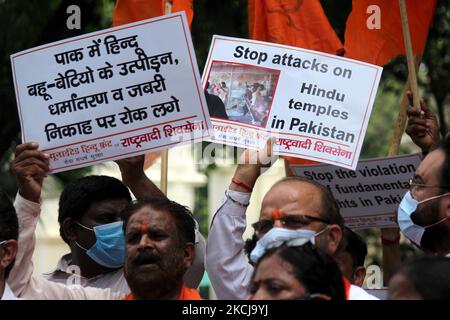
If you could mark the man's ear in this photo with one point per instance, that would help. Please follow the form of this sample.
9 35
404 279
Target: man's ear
334 235
359 275
189 254
68 227
8 252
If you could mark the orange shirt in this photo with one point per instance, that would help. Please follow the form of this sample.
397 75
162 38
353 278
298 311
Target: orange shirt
347 286
185 294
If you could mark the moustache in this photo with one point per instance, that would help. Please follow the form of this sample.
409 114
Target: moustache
146 257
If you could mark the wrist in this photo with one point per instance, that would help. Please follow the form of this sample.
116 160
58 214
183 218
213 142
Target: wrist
247 175
242 184
128 179
30 197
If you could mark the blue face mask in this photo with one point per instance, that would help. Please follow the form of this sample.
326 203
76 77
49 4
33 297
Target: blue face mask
281 234
405 210
109 249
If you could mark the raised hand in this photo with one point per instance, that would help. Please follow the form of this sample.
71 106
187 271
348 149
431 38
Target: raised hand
422 126
251 165
134 177
30 166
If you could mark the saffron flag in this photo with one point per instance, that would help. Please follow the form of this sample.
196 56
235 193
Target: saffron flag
127 11
186 6
374 29
299 23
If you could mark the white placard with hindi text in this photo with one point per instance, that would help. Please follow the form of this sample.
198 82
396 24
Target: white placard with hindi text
370 195
317 105
111 94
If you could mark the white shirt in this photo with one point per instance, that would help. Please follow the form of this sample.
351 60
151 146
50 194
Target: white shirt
108 286
358 293
226 264
8 294
21 279
114 280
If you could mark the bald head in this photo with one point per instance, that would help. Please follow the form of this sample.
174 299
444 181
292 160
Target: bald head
312 204
309 195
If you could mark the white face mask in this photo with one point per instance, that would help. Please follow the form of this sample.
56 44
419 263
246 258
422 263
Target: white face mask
406 209
281 234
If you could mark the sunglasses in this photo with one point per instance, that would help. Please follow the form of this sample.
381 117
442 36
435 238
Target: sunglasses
289 221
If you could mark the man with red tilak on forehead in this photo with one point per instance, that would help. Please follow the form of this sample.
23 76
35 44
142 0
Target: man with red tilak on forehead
160 248
293 207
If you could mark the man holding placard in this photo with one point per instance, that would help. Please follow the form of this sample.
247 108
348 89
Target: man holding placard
292 206
424 213
86 206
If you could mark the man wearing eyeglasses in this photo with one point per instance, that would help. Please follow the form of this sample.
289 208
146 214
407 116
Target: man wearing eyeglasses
292 203
423 214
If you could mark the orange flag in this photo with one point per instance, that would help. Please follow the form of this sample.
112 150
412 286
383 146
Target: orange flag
127 11
379 45
184 5
299 23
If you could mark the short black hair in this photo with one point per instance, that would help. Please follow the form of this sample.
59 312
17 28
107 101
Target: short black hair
355 246
80 194
445 171
430 275
317 271
184 220
330 209
9 225
250 244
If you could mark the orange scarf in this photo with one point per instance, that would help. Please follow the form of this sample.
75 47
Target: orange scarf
347 286
185 294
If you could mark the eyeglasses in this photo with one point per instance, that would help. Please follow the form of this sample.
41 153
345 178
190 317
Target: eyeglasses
2 242
415 186
289 221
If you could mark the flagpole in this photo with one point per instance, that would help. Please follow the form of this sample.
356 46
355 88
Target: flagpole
409 55
165 154
164 169
399 126
391 253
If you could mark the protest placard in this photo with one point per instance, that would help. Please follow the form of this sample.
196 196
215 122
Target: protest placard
111 94
317 105
370 195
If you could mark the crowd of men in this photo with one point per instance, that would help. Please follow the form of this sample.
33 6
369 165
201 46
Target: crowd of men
151 248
